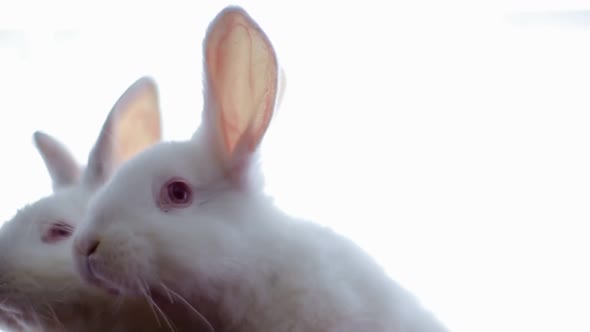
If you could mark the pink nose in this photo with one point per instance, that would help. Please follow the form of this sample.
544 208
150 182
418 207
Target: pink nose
87 248
92 247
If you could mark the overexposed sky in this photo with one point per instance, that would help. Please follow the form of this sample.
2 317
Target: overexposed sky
452 146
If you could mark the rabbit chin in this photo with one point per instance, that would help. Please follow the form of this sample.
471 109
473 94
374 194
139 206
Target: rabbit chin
97 271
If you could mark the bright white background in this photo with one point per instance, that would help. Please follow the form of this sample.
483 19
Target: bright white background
452 146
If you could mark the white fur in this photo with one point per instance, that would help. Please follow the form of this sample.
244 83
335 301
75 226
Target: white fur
241 262
39 287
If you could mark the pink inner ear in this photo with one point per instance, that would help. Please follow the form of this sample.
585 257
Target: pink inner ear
132 126
242 70
137 122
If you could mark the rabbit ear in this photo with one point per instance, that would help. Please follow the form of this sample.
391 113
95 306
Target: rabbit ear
282 87
61 165
240 86
133 124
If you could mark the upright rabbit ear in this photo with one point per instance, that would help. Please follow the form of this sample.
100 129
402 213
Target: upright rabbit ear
282 87
133 125
61 165
240 86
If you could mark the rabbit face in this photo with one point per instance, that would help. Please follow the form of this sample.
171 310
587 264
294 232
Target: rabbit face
39 285
36 271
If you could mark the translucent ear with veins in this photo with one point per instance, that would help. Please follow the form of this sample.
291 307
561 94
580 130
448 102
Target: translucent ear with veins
133 124
241 78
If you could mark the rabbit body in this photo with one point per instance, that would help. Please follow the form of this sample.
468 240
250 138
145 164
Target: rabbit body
188 222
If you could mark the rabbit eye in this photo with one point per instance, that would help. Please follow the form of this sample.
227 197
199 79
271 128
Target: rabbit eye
179 192
175 193
57 232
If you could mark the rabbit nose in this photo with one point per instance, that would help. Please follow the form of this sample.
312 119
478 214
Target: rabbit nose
86 247
91 249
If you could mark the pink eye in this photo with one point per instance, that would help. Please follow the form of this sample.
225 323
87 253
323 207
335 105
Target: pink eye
57 232
175 193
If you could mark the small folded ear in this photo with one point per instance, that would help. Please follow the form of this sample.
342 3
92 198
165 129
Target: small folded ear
133 124
61 165
240 86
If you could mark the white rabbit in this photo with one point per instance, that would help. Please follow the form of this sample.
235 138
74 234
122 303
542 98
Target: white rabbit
39 287
188 221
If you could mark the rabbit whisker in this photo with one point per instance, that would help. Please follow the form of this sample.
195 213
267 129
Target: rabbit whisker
168 293
197 312
118 303
35 315
54 314
152 308
148 296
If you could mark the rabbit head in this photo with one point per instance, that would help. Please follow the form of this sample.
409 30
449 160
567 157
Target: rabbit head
39 285
177 197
